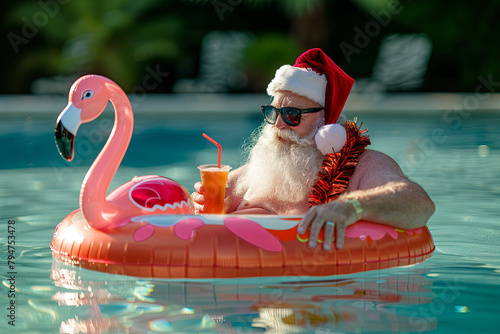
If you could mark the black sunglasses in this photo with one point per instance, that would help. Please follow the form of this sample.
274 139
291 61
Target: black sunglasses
290 115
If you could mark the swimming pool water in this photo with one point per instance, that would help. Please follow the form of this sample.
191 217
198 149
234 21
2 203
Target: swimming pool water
456 291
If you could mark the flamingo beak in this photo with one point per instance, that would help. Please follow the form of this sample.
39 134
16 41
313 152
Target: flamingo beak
66 127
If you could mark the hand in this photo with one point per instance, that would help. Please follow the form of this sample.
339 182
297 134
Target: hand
198 198
339 213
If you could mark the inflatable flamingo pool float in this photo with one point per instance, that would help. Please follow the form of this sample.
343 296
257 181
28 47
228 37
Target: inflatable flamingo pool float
146 226
141 196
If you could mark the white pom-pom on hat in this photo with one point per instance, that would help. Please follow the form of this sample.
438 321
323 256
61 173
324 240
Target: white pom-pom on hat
330 138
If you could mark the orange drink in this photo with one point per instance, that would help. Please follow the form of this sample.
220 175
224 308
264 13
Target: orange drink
214 181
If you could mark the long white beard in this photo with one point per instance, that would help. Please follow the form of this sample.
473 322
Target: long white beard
284 171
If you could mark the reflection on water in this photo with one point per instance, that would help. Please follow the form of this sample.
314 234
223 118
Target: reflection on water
373 302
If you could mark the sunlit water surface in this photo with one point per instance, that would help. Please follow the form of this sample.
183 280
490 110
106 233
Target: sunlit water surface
456 291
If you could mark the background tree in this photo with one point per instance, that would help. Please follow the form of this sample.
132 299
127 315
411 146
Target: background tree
120 38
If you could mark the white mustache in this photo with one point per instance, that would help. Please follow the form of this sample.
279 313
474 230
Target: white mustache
294 137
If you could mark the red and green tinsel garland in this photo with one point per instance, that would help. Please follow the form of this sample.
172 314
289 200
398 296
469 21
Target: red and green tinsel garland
337 168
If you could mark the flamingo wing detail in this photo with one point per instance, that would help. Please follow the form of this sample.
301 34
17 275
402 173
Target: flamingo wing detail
253 233
363 230
158 194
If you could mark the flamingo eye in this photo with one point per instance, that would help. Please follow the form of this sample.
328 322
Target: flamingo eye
87 94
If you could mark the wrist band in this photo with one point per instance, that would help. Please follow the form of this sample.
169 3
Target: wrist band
356 205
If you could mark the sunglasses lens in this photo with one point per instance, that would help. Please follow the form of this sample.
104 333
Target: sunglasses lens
292 116
270 114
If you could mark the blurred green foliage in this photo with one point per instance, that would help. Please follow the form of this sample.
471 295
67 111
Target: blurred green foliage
262 59
117 37
290 7
464 35
121 38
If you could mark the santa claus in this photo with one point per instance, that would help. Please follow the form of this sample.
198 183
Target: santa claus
303 160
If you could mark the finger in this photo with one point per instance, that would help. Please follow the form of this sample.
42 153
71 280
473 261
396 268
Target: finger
340 234
227 203
199 187
198 207
304 223
197 197
328 238
316 226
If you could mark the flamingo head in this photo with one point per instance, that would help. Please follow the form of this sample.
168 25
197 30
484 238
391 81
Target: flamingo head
86 101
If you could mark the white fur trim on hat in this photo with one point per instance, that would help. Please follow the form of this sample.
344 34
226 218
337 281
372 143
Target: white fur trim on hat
330 138
301 81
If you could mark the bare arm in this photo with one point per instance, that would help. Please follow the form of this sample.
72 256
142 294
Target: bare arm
233 200
385 194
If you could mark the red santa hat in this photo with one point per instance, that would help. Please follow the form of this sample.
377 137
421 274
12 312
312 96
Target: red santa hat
315 76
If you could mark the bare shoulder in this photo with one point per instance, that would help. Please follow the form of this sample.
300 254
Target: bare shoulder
375 169
377 161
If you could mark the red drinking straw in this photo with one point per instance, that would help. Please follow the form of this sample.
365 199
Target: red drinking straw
218 146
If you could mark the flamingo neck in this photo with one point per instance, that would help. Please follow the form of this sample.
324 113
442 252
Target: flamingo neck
98 211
